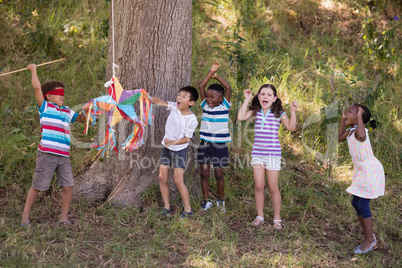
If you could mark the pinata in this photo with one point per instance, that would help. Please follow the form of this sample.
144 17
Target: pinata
119 105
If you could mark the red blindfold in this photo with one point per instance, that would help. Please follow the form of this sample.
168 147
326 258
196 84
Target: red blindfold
57 91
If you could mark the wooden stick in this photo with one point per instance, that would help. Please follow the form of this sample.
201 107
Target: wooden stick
46 63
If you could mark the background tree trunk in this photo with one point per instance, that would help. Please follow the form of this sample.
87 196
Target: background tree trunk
153 48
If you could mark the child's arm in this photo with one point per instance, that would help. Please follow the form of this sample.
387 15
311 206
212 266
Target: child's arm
159 102
228 92
176 142
342 133
245 114
36 84
290 124
212 71
360 132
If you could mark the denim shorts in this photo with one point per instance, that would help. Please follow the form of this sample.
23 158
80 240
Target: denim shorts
46 165
269 162
213 153
175 158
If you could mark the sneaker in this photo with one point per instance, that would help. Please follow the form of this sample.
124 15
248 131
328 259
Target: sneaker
206 204
187 214
221 203
166 212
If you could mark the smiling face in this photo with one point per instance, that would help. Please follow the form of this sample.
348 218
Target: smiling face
266 97
213 98
183 100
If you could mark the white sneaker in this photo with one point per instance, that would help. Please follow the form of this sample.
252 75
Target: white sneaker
206 204
221 204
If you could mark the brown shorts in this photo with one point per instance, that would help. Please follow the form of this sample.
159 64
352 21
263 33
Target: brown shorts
46 165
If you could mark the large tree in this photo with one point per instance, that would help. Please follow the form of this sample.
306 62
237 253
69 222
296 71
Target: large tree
153 48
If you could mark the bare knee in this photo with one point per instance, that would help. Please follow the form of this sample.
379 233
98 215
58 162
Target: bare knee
274 190
67 189
259 187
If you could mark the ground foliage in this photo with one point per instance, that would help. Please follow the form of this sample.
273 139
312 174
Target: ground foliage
322 53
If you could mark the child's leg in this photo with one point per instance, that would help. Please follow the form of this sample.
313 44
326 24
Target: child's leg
367 223
163 185
204 180
220 182
178 180
273 176
31 197
259 181
355 200
65 202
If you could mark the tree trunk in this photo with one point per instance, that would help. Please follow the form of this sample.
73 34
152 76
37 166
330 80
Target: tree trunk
153 47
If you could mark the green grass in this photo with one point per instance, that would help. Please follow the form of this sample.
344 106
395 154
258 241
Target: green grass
317 52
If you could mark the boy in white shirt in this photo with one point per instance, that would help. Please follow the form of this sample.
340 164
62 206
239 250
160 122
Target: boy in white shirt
180 126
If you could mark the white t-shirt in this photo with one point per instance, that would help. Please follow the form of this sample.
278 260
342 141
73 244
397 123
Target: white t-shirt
179 126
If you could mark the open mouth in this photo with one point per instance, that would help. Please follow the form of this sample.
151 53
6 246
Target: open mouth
264 103
178 103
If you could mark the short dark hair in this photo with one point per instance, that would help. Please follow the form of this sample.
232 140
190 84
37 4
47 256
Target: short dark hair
218 88
50 85
193 92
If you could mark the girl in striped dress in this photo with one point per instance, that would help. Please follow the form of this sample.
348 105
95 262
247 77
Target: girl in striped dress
267 109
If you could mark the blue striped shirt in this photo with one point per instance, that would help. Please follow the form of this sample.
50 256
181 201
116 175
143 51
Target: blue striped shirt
215 122
55 128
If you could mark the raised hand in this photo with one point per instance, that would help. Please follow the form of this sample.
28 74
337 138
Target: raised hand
344 114
31 67
293 106
360 111
248 94
215 67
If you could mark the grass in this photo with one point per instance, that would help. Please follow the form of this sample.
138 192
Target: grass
317 53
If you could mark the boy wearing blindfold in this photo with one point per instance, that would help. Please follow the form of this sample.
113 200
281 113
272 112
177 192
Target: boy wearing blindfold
54 147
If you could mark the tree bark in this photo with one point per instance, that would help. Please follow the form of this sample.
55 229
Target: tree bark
153 48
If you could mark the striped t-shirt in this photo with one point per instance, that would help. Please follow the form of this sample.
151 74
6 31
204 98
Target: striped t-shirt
215 122
54 122
266 140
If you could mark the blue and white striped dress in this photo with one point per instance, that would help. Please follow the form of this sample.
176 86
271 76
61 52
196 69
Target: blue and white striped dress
266 140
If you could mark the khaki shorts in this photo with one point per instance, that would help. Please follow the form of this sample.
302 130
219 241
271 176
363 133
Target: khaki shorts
46 165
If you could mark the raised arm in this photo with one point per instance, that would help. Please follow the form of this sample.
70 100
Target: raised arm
342 132
360 132
159 102
204 82
245 114
290 124
228 92
36 84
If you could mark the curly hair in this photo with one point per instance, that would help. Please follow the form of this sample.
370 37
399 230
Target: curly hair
50 85
276 107
366 117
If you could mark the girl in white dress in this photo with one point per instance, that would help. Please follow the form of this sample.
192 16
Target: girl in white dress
368 174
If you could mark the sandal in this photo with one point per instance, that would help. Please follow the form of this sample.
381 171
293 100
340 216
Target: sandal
66 223
257 222
358 251
26 224
278 224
